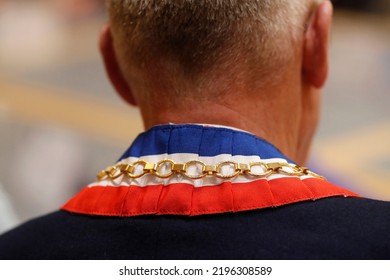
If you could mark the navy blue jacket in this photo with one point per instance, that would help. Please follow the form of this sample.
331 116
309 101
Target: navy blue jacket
331 228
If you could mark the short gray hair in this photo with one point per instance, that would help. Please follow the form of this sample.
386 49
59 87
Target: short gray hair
199 35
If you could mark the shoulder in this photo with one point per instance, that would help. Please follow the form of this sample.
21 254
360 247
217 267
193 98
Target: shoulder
340 213
40 238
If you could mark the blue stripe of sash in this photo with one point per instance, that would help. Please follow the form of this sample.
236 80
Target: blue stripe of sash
201 140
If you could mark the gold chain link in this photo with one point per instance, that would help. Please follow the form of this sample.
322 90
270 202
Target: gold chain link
166 168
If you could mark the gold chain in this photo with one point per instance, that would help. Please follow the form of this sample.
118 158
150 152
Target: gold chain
166 168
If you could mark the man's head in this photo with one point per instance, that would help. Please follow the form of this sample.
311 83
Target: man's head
209 57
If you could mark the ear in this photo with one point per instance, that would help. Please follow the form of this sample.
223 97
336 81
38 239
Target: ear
316 44
111 64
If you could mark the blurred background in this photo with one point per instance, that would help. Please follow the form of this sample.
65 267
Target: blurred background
61 122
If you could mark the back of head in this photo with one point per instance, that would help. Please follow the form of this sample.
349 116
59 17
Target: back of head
178 44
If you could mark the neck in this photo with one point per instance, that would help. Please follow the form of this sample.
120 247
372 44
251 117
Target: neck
273 111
